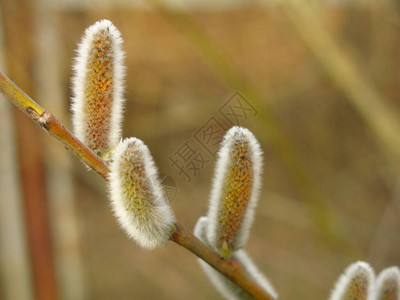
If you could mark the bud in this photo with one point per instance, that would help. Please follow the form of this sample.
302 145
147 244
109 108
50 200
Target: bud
357 282
97 88
388 284
225 286
235 191
137 197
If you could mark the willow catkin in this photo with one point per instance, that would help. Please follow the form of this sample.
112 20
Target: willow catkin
97 87
388 284
235 191
357 282
137 197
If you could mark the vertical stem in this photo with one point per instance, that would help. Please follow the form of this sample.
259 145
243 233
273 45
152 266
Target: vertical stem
19 58
14 260
60 182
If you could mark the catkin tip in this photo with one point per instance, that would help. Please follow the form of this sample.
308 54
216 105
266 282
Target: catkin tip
388 284
357 282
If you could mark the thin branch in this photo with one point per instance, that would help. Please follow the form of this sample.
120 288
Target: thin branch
230 268
47 121
180 235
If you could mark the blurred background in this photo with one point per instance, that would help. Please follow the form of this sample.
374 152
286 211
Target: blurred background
316 81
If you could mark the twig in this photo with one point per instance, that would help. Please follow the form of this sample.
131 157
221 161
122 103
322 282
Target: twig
231 269
47 121
180 235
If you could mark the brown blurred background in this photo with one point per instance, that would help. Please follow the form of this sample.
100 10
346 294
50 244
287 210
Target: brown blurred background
321 81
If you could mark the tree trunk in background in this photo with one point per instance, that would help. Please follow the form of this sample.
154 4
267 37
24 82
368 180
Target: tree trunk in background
19 57
15 271
61 192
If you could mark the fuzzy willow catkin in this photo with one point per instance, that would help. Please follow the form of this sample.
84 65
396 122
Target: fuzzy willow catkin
97 87
235 191
388 284
357 282
225 286
137 197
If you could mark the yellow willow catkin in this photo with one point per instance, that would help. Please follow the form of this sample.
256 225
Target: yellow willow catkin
388 284
357 282
97 87
137 198
235 191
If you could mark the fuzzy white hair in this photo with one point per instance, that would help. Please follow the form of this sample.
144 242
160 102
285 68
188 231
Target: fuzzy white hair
80 85
224 160
137 198
388 284
225 286
357 282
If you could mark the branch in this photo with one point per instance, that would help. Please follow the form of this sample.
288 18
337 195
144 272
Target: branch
47 121
180 235
230 268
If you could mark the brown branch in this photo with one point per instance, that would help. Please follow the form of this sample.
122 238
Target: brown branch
180 235
47 121
230 268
